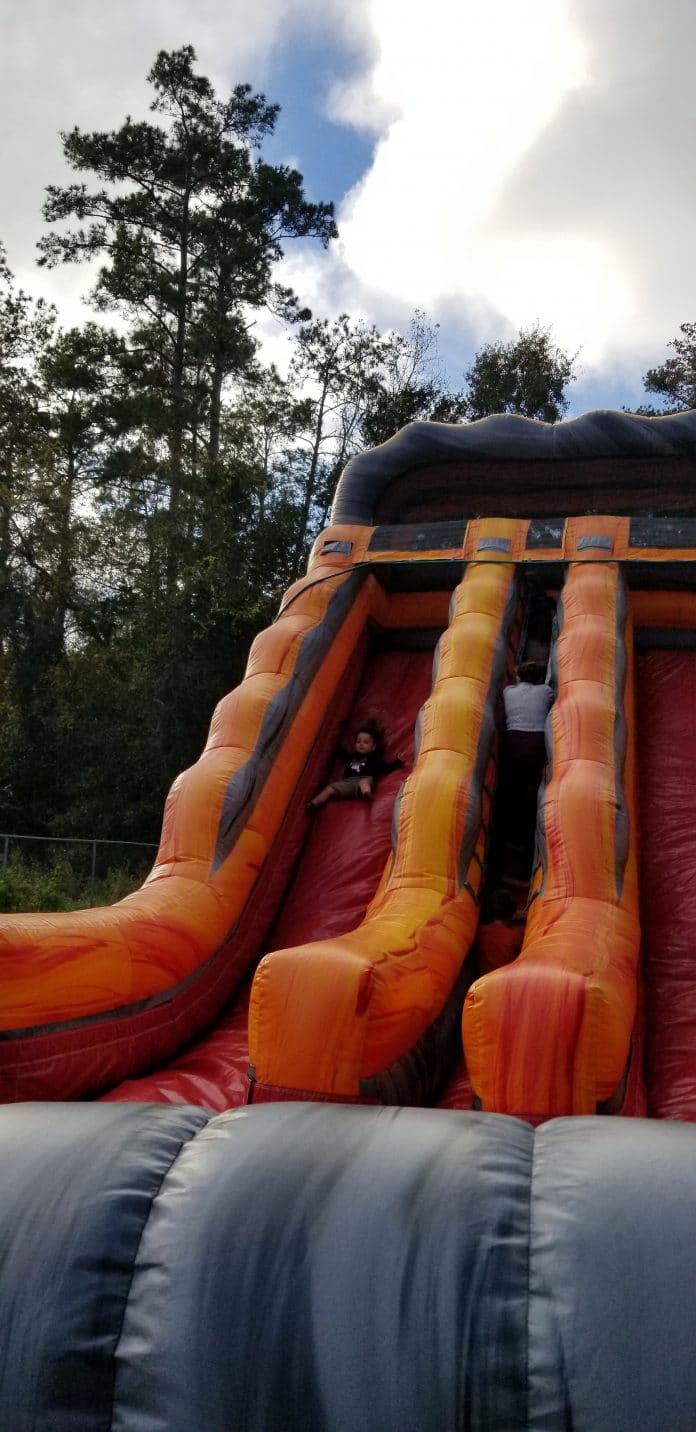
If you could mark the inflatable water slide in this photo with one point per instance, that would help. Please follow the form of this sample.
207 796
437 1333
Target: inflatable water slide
274 955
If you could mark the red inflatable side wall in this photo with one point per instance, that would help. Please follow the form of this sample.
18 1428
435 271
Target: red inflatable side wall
667 727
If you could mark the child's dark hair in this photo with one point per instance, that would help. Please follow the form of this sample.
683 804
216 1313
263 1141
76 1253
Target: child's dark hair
372 727
532 671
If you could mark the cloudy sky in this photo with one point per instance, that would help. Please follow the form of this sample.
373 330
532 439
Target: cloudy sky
495 164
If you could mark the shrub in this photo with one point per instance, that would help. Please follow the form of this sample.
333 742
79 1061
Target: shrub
61 882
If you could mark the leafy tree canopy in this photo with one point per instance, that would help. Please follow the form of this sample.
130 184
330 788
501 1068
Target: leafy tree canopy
159 485
528 375
674 381
190 222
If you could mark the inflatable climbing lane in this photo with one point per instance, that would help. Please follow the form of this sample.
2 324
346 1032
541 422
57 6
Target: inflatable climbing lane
275 955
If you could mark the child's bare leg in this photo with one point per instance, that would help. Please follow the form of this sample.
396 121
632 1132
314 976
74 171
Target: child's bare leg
322 797
366 785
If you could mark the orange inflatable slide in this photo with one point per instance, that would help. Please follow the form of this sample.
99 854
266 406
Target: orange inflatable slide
425 577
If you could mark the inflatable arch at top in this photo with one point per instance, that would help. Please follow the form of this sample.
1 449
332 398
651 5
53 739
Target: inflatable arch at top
359 926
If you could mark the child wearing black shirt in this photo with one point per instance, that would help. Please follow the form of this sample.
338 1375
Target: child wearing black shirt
362 768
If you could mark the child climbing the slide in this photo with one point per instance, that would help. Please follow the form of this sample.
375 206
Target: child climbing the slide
362 768
527 702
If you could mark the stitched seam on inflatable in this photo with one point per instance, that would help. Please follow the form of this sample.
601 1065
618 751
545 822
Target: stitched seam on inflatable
126 1301
532 1172
245 785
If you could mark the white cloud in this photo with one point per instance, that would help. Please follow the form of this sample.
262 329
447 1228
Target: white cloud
83 63
532 158
533 165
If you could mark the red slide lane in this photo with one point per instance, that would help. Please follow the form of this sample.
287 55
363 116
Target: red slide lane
349 843
341 864
667 786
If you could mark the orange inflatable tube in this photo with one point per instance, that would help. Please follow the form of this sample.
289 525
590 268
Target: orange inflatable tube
550 1033
119 986
89 998
334 1018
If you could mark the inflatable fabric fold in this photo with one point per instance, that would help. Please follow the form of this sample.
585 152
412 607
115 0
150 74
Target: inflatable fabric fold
89 997
307 1267
327 1018
551 1032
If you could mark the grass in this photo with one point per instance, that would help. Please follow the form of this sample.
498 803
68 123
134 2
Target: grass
62 883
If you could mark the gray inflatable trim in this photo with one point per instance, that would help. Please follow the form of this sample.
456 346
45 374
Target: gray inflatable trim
507 437
313 1267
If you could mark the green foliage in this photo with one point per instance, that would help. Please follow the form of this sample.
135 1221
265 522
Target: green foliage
529 376
60 884
674 381
141 548
25 330
159 487
360 387
407 386
190 222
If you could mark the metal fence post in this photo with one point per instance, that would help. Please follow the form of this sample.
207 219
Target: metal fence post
93 872
81 840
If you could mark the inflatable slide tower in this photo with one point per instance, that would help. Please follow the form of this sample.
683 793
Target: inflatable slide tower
343 944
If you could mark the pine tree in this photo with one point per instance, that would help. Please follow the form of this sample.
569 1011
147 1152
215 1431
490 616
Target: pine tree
189 223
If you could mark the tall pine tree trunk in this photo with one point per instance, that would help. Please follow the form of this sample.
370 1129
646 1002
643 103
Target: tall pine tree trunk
176 437
310 485
64 569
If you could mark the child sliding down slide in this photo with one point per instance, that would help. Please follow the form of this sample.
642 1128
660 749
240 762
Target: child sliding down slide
362 768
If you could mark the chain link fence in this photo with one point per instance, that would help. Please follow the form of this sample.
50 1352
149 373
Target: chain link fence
90 857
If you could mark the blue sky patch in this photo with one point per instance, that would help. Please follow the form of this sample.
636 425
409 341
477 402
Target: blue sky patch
330 156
